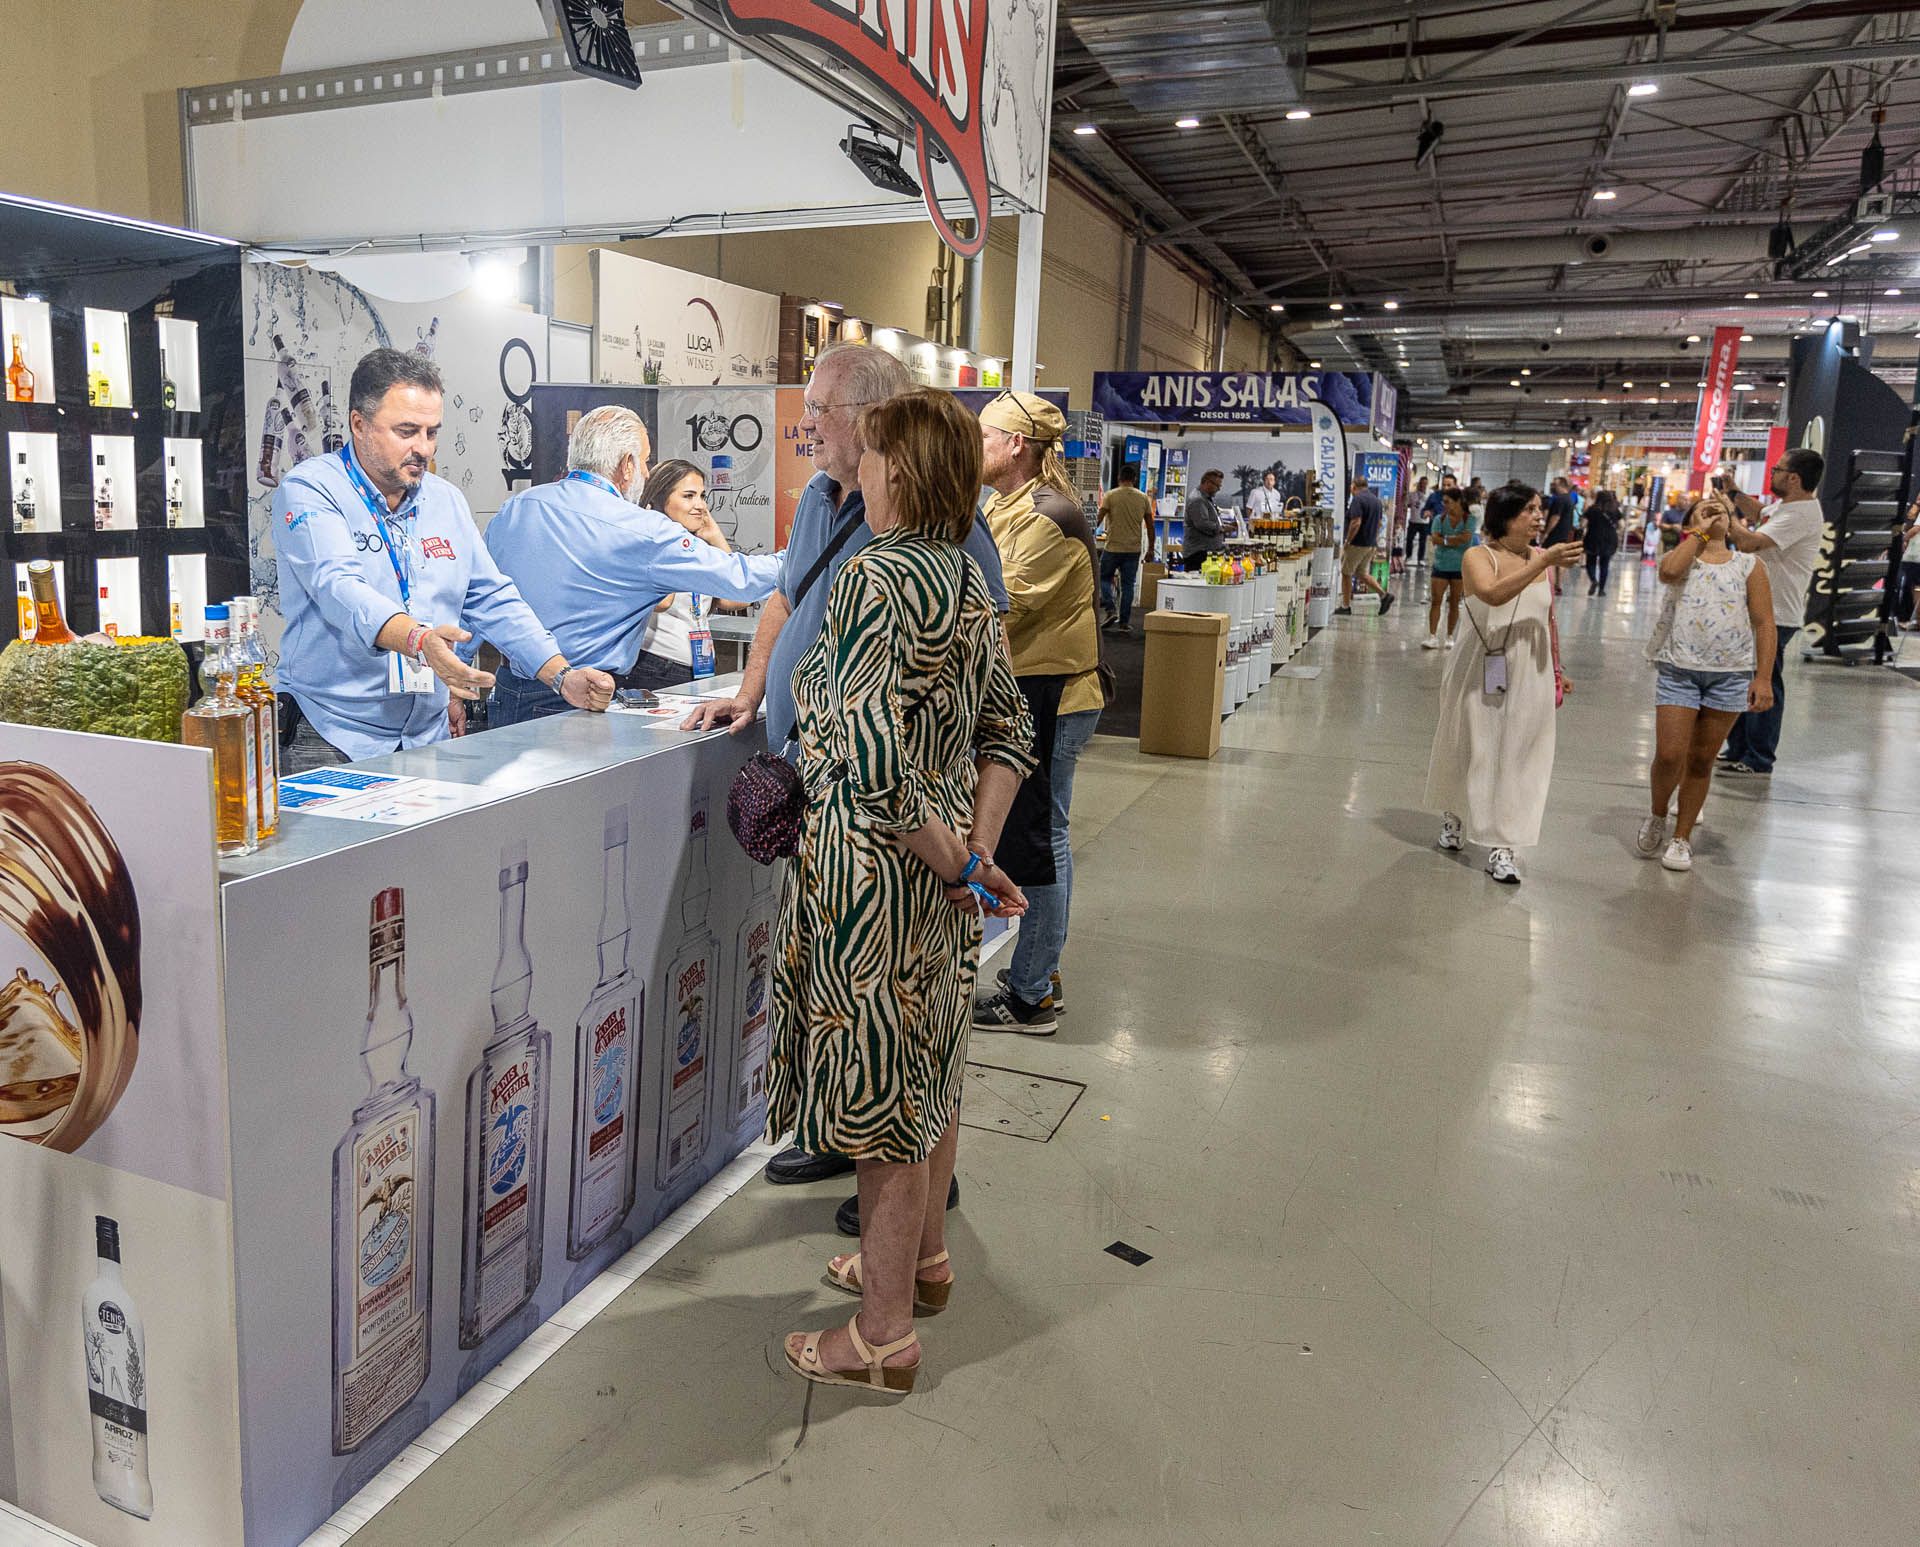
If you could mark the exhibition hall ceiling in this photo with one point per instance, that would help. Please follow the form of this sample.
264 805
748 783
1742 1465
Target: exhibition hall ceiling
1601 180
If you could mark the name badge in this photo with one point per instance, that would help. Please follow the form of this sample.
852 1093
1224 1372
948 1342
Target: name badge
702 642
1496 673
404 675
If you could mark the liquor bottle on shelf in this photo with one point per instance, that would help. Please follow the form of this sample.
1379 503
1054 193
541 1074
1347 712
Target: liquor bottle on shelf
383 1206
269 470
688 1012
227 728
253 686
176 499
25 507
99 387
115 1341
753 992
107 626
606 1067
102 494
176 628
19 378
169 393
331 438
49 628
506 1156
24 602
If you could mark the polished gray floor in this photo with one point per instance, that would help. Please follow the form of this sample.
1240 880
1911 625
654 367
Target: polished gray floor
1587 1212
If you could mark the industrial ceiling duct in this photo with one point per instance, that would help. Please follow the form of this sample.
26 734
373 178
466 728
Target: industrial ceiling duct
1197 58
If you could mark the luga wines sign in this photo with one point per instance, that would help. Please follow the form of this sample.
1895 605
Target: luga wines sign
929 56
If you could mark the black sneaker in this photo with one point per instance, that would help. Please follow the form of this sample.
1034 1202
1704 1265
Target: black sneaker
1341 612
1007 1011
1386 602
846 1218
1057 999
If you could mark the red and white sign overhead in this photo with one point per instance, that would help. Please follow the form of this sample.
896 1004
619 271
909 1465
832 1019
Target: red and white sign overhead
929 56
1716 402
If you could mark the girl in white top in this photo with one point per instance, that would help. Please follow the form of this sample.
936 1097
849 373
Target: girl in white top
677 646
1493 749
1713 643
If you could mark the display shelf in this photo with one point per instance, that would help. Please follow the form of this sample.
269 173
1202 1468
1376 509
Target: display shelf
112 464
31 322
33 486
117 584
187 596
24 599
179 364
108 356
181 484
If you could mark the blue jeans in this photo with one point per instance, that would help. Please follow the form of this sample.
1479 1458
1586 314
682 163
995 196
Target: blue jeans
1126 566
1043 932
1755 738
515 699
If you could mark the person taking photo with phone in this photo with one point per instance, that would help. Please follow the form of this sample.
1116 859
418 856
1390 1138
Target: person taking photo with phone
1493 749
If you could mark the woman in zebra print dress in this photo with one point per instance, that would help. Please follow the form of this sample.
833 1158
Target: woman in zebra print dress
913 740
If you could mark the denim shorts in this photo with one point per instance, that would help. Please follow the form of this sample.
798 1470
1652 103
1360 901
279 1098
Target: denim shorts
1685 688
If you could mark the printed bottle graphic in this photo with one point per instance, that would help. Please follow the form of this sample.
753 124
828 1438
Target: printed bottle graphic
268 471
25 507
506 1170
687 1009
606 1068
383 1206
115 1341
753 996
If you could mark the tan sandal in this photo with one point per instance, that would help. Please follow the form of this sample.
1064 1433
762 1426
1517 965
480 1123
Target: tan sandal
929 1295
879 1376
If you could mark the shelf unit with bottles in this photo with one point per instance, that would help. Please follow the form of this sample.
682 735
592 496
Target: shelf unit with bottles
120 423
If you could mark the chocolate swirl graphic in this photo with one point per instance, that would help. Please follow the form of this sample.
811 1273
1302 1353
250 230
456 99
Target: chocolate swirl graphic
64 888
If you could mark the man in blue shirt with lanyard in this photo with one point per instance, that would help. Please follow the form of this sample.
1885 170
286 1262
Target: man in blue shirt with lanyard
379 562
829 527
587 554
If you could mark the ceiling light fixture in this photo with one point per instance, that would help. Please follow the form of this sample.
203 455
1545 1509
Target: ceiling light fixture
1746 338
1337 306
1275 306
1605 194
1753 295
1644 89
1885 235
1298 114
1743 386
1186 123
1693 338
1526 370
1894 291
1392 306
1085 129
1313 365
1515 382
1819 295
1666 384
878 161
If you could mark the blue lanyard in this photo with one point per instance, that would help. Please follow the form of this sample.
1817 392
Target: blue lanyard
377 507
596 480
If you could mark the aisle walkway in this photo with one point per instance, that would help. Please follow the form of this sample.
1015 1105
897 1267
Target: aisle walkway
1582 1213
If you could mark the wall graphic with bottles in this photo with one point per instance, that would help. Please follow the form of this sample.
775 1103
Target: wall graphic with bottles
119 424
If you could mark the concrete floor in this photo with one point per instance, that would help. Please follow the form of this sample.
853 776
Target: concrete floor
1587 1212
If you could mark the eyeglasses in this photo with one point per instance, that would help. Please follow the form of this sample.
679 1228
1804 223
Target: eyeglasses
1008 397
816 410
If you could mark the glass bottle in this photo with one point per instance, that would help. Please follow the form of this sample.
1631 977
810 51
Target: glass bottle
25 507
688 1010
19 378
176 501
253 686
606 1067
99 388
115 1342
383 1206
506 1155
102 493
226 728
49 628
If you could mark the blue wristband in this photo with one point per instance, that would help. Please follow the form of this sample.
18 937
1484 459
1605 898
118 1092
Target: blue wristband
973 864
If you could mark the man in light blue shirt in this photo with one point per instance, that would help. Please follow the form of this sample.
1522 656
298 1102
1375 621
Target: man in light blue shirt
380 562
830 519
585 554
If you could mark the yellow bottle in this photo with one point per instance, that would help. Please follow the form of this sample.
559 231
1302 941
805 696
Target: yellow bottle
99 389
254 687
226 728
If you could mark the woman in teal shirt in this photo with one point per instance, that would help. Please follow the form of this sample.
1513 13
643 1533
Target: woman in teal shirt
1453 533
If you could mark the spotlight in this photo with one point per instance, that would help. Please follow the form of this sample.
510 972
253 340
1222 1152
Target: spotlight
1431 133
878 162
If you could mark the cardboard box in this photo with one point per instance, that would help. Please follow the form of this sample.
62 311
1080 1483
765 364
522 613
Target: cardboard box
1184 683
1151 574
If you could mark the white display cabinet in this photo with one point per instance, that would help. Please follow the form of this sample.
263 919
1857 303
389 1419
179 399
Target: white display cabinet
187 596
33 482
180 364
117 583
32 323
181 485
108 356
112 472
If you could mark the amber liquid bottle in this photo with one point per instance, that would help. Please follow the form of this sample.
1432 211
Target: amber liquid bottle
254 687
19 378
49 628
227 728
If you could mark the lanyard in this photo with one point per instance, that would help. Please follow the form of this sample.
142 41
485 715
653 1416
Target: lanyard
377 507
596 480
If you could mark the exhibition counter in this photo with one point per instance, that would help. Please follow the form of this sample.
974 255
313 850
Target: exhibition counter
363 1110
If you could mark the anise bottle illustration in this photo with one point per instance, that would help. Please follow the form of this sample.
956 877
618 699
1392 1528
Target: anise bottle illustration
115 1342
383 1206
753 997
688 1012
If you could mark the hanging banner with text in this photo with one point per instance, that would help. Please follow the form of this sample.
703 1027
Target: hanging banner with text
1716 401
1233 397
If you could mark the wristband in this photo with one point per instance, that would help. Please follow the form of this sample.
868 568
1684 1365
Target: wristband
973 864
416 641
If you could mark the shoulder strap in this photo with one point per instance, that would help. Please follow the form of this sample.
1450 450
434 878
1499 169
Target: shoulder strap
834 545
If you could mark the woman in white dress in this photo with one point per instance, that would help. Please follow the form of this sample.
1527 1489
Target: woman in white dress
677 646
1493 750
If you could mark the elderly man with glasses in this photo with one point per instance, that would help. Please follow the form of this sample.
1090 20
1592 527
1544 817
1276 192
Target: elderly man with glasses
829 527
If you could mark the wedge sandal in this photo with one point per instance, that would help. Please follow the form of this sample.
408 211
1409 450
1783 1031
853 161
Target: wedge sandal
878 1376
929 1295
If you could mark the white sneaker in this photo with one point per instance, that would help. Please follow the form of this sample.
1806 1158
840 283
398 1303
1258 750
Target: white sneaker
1431 642
1452 835
1653 835
1450 640
1501 867
1679 855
